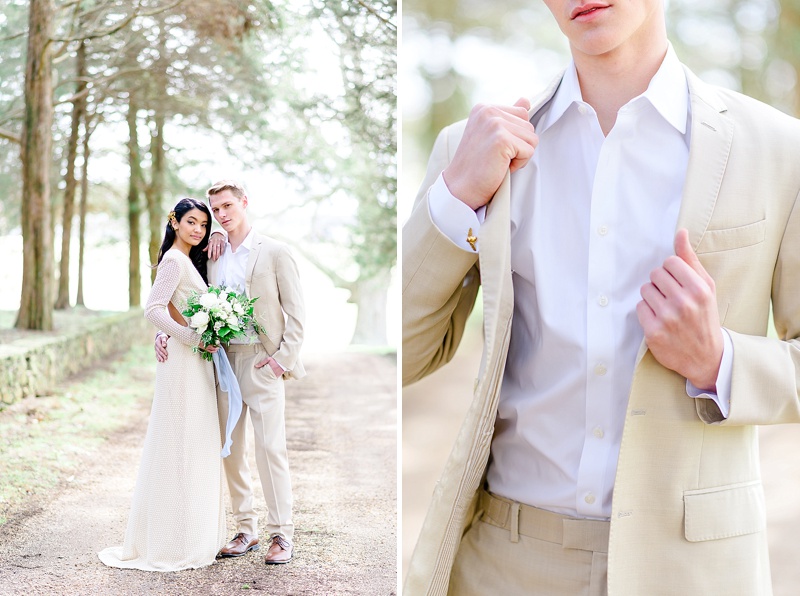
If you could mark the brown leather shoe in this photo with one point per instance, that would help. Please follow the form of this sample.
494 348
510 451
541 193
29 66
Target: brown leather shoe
280 551
240 544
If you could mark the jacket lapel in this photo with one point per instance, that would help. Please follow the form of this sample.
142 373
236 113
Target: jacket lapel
251 263
495 252
712 137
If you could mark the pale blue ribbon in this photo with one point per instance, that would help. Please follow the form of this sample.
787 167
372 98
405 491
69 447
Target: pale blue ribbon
228 384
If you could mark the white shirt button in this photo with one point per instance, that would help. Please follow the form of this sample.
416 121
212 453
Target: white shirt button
598 432
602 300
602 230
589 498
600 370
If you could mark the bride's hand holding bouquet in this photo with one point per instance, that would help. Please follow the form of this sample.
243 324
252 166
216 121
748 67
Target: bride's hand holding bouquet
220 315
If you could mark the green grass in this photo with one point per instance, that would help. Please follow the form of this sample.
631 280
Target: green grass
42 439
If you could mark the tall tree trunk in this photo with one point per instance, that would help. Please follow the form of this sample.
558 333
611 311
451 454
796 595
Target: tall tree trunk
36 300
82 209
370 297
134 208
78 108
155 194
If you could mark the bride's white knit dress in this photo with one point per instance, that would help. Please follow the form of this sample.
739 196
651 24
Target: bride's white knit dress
177 519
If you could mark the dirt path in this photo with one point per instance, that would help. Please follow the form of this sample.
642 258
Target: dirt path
341 429
434 408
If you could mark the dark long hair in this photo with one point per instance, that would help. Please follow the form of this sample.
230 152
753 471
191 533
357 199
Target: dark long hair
196 254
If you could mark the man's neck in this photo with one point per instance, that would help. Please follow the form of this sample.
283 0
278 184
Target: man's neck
237 236
611 80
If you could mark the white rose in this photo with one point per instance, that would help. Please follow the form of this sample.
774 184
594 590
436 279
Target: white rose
199 321
233 322
208 300
237 308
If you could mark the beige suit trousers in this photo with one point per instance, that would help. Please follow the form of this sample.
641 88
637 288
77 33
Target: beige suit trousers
514 549
263 396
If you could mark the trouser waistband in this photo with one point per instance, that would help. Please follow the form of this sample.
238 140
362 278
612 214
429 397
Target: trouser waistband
251 348
569 532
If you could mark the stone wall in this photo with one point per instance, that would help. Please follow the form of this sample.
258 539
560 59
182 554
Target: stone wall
35 365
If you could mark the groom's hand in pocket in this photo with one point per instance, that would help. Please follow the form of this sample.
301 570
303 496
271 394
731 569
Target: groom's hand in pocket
273 364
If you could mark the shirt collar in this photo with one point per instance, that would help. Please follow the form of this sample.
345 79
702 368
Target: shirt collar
668 93
247 243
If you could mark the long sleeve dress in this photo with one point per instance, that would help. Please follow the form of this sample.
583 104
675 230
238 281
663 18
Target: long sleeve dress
177 517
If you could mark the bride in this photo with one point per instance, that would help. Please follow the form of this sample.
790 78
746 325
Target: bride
177 519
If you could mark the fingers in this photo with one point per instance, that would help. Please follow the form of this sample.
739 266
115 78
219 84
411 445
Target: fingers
216 244
647 318
653 297
495 139
685 269
516 138
523 103
160 346
523 144
518 111
683 250
262 363
525 140
664 282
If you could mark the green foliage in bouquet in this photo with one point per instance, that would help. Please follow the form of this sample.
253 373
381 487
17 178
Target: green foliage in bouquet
220 315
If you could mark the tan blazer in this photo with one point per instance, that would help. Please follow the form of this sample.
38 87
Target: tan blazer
271 275
688 507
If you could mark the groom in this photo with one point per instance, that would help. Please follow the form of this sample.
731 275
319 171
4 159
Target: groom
263 268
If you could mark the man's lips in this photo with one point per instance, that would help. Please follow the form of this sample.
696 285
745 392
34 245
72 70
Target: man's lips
586 9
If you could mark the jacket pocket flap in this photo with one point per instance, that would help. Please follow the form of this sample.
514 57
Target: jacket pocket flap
724 511
730 238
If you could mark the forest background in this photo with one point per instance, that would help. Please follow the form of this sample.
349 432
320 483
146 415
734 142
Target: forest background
112 110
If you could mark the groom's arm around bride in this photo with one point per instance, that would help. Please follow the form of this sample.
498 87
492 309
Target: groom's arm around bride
264 269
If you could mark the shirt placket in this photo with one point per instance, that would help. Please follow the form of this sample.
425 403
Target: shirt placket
592 491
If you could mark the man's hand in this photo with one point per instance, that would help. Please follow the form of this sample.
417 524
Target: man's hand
273 364
216 245
160 346
678 313
497 139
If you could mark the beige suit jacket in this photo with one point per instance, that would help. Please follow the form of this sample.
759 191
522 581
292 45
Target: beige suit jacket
688 507
272 276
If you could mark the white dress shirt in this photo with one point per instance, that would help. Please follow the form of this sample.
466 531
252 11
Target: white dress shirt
591 216
232 273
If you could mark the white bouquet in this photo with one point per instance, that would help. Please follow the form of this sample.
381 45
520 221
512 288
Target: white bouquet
220 315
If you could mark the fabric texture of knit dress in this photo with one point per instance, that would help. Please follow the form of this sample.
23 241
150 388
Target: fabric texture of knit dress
177 517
